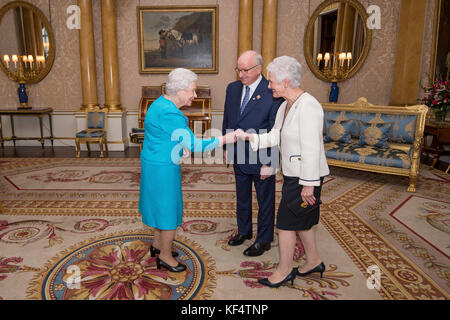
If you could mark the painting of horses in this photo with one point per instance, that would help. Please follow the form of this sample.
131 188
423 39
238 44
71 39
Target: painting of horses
178 36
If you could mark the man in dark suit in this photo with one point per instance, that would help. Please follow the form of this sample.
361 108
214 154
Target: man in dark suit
249 105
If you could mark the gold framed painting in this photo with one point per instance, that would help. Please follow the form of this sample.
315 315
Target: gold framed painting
178 37
440 56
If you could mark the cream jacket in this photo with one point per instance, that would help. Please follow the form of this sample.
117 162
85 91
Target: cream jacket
300 140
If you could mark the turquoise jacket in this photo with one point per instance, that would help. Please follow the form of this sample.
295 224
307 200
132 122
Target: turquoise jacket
167 133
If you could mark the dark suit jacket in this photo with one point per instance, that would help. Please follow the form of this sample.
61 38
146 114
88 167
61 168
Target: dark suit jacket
259 113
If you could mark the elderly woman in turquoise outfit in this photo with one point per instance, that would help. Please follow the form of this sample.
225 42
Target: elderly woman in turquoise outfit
166 136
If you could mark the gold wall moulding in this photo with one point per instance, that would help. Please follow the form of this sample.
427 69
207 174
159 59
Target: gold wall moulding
114 107
89 106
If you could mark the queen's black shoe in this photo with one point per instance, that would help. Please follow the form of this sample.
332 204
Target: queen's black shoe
178 268
154 252
320 268
290 277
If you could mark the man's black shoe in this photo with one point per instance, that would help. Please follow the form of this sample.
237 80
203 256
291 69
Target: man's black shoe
257 249
238 240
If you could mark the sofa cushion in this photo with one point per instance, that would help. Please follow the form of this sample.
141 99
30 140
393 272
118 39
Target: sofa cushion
338 131
374 134
402 130
354 152
403 126
137 130
343 116
90 134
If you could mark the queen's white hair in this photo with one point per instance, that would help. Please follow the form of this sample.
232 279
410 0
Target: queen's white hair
179 79
285 67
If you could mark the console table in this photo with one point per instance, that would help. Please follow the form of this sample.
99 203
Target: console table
35 112
440 131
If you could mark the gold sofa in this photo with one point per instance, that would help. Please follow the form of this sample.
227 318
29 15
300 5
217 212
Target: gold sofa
384 139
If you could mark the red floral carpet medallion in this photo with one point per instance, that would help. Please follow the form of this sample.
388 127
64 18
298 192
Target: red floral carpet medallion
120 267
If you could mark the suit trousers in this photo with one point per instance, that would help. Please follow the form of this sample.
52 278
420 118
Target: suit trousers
265 193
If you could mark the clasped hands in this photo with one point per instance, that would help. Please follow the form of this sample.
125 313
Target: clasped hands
232 137
307 193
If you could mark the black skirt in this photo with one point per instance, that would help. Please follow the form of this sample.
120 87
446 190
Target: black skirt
293 214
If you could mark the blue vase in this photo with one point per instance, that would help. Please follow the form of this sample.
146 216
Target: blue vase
22 91
334 93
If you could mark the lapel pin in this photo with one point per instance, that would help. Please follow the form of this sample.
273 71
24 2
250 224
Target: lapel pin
258 97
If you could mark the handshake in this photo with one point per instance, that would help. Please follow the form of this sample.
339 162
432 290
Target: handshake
232 137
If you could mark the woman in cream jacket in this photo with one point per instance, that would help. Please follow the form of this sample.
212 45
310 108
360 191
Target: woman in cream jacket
298 133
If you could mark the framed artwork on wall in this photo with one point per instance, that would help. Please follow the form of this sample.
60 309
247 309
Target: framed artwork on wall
178 37
440 56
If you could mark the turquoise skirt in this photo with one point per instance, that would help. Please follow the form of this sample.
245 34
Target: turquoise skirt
160 196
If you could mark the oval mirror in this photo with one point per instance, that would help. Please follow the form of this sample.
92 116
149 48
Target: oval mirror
27 49
337 39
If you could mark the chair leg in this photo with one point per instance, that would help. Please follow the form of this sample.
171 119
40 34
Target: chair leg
106 146
88 147
101 148
435 160
77 143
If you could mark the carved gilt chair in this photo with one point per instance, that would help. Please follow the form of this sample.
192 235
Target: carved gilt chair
96 130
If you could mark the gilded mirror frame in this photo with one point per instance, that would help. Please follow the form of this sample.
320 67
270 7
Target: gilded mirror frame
309 33
51 37
436 41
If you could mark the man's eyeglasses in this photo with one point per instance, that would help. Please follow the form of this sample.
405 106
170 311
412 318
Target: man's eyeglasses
245 70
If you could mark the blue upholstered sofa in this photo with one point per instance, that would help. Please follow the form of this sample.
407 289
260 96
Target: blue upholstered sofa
385 139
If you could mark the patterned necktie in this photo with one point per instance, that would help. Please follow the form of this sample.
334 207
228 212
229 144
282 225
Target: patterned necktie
246 98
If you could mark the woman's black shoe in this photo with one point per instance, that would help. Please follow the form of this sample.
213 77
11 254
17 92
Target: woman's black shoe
320 268
154 251
290 277
179 268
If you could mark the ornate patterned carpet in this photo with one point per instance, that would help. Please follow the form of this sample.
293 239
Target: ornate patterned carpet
70 229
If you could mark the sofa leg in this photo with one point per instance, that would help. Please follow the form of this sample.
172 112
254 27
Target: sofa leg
412 184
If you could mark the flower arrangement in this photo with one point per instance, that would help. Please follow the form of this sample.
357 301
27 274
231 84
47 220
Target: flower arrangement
437 97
